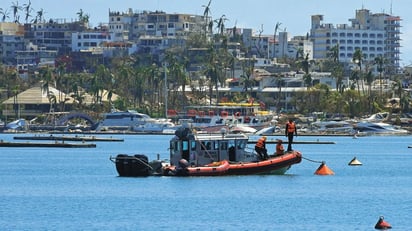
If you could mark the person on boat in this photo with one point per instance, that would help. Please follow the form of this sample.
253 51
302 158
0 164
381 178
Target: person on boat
280 150
260 148
289 132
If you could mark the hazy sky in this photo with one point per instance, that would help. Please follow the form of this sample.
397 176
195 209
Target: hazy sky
294 15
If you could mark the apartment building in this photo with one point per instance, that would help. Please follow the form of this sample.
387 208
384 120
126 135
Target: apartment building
11 40
374 34
54 34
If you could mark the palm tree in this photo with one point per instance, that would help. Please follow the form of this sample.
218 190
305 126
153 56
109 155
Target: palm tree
4 14
206 14
358 59
221 24
337 69
40 16
16 8
380 61
27 10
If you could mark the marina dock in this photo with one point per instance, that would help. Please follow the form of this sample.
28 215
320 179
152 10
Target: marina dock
70 138
45 145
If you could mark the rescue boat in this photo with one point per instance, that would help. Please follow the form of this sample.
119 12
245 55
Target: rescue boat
193 154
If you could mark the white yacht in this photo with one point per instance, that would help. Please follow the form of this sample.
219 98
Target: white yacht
369 128
133 121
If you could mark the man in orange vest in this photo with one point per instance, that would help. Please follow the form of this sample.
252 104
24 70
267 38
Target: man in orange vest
260 148
289 132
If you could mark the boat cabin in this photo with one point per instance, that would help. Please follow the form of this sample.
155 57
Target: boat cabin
202 149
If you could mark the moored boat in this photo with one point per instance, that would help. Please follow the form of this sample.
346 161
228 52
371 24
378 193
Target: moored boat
133 121
379 128
244 117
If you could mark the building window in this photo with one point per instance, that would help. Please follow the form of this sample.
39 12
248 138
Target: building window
342 34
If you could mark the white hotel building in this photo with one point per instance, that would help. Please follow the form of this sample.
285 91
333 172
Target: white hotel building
374 34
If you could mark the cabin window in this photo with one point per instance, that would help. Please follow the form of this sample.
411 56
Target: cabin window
175 146
206 145
232 143
193 146
241 144
216 146
185 146
223 145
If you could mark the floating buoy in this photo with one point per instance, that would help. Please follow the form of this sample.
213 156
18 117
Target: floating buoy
381 224
354 162
324 170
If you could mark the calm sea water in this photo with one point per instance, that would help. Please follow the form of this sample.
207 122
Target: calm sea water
78 189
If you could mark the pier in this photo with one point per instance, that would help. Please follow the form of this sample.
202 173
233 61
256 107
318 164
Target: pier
45 145
70 138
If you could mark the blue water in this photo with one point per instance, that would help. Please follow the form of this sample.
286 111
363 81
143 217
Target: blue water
78 189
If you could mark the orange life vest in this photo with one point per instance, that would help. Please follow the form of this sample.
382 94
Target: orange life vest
260 143
291 127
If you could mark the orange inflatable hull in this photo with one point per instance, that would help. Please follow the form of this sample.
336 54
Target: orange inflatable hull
213 169
273 165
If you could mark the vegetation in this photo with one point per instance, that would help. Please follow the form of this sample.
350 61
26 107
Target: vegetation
140 80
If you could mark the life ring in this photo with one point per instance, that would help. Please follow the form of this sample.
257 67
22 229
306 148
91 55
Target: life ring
247 119
201 113
224 113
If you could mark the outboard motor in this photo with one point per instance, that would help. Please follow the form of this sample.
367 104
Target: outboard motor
136 165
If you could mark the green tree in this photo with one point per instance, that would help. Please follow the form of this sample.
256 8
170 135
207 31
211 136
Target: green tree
358 59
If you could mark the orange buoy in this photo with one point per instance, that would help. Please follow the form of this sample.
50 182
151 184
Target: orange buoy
324 170
355 162
381 224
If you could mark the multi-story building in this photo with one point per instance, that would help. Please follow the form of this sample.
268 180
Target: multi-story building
11 40
54 34
374 34
90 39
156 30
287 47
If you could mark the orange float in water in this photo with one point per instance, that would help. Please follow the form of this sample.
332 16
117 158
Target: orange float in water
382 225
324 170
